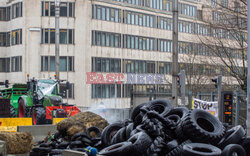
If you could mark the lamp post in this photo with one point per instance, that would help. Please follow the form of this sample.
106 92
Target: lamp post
57 33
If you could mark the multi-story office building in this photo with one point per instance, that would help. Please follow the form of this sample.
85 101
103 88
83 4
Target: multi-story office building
103 36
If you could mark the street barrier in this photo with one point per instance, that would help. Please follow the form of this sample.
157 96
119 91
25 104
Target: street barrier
16 121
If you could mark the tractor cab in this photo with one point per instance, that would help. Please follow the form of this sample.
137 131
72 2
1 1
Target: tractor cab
45 92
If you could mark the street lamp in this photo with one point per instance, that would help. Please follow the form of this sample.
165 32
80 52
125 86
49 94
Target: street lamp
57 33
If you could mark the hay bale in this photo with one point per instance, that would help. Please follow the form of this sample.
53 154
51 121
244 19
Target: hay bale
84 120
73 130
17 142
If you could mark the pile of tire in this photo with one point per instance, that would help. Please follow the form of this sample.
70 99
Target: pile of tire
158 129
60 142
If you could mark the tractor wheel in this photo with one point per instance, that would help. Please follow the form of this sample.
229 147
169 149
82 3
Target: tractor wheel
23 110
12 112
39 116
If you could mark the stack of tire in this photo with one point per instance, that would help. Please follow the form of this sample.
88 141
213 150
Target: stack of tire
158 129
77 142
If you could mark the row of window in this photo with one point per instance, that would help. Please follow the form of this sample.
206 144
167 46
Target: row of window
124 90
106 65
11 38
146 20
67 9
166 5
66 36
48 63
11 12
141 66
106 39
153 44
11 64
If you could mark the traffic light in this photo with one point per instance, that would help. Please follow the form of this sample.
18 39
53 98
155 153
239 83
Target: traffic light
6 83
228 103
215 80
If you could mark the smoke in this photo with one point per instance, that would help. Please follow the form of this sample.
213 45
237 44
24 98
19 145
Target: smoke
103 109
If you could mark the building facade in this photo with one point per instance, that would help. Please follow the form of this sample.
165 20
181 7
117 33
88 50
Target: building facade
107 37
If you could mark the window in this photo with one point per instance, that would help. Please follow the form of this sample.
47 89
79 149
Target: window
164 23
4 64
16 10
4 39
66 36
127 88
106 39
16 64
48 63
106 13
16 37
224 3
106 65
143 20
4 13
164 45
105 90
165 68
67 9
138 66
67 93
139 42
188 10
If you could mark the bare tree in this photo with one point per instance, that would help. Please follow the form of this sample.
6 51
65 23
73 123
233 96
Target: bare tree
226 39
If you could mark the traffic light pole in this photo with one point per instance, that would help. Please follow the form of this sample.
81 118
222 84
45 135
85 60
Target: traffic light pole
248 70
57 33
220 104
183 87
175 54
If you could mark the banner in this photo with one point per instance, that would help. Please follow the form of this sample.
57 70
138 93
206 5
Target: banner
211 107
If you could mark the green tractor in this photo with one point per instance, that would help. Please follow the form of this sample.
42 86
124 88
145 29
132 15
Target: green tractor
13 94
41 93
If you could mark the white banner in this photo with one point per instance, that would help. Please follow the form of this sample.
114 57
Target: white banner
211 107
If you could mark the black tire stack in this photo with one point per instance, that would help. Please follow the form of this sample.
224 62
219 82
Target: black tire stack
158 129
77 142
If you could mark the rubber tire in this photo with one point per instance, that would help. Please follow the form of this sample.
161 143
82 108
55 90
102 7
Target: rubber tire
41 149
76 144
163 107
96 130
129 129
63 145
232 136
202 126
12 112
78 136
27 112
141 141
246 144
120 136
109 131
120 149
44 145
175 118
171 145
200 149
136 111
178 151
180 111
233 148
40 116
56 152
